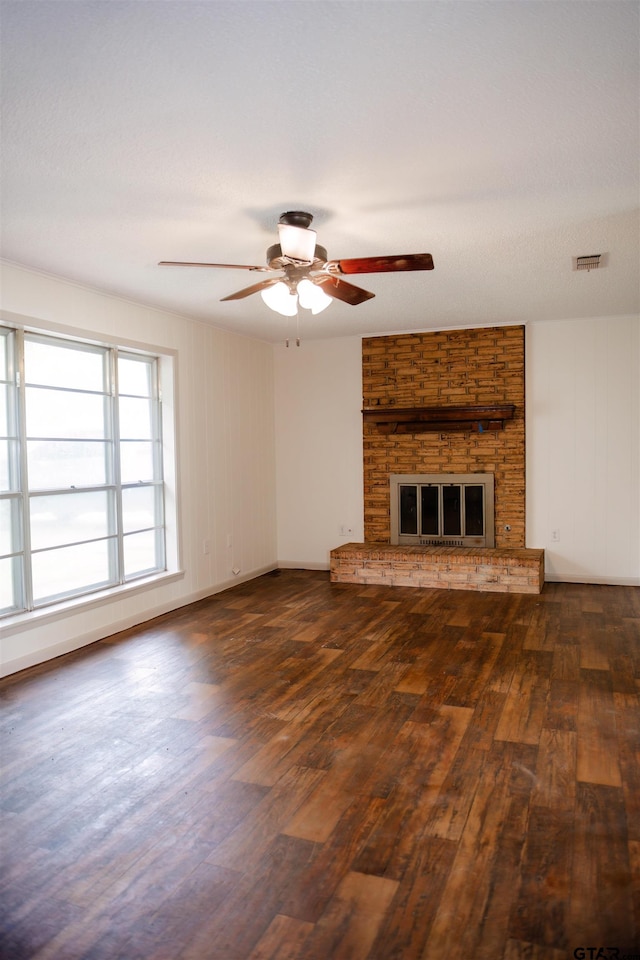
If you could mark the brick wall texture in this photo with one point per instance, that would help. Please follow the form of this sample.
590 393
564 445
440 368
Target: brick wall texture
438 369
510 570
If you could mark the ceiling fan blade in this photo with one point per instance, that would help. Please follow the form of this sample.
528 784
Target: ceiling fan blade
410 261
341 290
224 266
255 288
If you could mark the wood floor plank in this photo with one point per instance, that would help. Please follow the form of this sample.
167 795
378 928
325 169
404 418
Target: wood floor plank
597 735
459 925
505 876
242 920
429 751
566 662
355 769
349 926
519 950
634 861
302 741
600 906
483 722
523 715
539 914
308 898
248 841
414 679
593 647
405 928
561 712
299 770
627 717
555 785
448 817
283 940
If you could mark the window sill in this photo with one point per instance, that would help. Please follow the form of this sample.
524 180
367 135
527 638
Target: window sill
56 611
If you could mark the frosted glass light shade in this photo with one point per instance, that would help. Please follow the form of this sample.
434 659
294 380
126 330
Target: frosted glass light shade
297 243
313 297
279 298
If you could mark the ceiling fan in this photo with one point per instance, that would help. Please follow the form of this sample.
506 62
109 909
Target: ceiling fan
304 274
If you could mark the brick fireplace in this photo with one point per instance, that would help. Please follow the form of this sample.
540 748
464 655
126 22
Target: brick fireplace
451 381
452 368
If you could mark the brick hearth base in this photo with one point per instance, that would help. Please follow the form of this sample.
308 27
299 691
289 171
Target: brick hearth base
501 570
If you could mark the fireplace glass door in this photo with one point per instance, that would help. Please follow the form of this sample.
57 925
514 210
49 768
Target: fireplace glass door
456 510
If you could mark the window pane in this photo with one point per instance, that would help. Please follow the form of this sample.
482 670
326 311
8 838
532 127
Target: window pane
70 570
66 463
3 356
140 553
135 419
136 461
10 531
69 517
408 509
7 447
54 365
56 413
429 518
134 377
6 428
139 508
10 585
473 511
451 519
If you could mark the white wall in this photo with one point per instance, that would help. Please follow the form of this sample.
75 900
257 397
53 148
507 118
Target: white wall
318 449
583 443
225 437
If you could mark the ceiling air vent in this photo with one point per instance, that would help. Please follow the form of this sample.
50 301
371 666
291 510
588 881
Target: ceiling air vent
591 262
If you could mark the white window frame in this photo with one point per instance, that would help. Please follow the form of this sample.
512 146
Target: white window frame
163 481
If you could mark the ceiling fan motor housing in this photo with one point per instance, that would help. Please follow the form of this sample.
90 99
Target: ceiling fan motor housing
296 218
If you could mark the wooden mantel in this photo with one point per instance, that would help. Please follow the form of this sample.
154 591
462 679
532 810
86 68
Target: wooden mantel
469 419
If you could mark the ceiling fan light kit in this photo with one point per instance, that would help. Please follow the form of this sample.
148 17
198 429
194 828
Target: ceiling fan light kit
278 297
307 278
312 297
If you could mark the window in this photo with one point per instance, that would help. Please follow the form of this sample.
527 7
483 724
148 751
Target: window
81 469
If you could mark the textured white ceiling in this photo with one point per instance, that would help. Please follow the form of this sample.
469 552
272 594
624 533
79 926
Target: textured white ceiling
501 137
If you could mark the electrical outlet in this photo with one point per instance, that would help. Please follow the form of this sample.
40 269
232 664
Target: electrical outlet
206 546
555 535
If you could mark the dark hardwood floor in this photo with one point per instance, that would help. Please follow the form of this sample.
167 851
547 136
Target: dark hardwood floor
295 769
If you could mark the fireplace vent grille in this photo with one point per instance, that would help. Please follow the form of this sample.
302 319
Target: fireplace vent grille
441 543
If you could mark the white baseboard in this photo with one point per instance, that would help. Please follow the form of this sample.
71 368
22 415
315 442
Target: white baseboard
585 578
